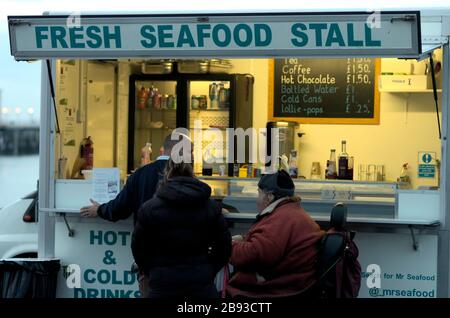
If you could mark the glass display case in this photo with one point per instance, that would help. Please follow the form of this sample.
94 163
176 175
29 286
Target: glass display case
154 116
205 104
209 116
363 199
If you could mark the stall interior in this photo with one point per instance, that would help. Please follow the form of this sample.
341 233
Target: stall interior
94 108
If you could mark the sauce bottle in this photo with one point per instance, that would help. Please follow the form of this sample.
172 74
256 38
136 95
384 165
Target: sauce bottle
331 166
142 97
343 162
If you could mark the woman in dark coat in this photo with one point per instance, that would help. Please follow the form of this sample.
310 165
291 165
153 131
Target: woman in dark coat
181 240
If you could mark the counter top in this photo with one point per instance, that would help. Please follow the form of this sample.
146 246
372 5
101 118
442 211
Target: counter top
71 195
250 217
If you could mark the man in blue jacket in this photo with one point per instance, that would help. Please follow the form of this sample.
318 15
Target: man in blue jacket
139 188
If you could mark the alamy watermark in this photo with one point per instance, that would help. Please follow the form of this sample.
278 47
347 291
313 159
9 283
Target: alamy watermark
72 274
373 280
230 145
373 21
74 20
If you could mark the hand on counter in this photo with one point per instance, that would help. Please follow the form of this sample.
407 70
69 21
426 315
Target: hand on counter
90 211
225 211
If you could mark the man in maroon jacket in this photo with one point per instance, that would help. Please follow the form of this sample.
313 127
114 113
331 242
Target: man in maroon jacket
277 256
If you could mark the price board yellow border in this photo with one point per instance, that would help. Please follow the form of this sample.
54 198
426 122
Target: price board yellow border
309 120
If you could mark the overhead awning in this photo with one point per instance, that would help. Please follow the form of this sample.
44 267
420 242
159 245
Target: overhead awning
338 34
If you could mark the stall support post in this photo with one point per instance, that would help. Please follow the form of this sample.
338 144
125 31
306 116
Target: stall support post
46 228
443 276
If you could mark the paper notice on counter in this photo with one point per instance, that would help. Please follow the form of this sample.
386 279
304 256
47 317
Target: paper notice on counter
105 184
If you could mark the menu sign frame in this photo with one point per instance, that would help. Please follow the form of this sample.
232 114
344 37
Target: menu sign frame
347 93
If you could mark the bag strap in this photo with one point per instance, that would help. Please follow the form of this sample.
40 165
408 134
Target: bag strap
352 235
226 273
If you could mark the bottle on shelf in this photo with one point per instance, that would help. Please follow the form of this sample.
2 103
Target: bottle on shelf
236 167
351 163
151 96
142 97
343 162
207 169
404 174
331 166
293 169
146 153
157 96
214 95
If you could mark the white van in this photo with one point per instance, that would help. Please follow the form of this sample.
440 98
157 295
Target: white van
19 228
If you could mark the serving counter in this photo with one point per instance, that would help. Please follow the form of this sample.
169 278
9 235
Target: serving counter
403 246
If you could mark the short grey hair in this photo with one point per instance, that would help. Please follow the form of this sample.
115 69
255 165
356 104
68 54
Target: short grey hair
169 143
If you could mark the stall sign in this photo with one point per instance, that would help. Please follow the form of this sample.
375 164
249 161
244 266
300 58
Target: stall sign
324 34
96 261
427 164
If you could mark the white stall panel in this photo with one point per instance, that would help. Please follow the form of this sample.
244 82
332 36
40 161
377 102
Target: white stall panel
404 272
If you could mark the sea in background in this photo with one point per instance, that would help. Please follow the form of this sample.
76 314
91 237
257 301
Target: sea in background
18 177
